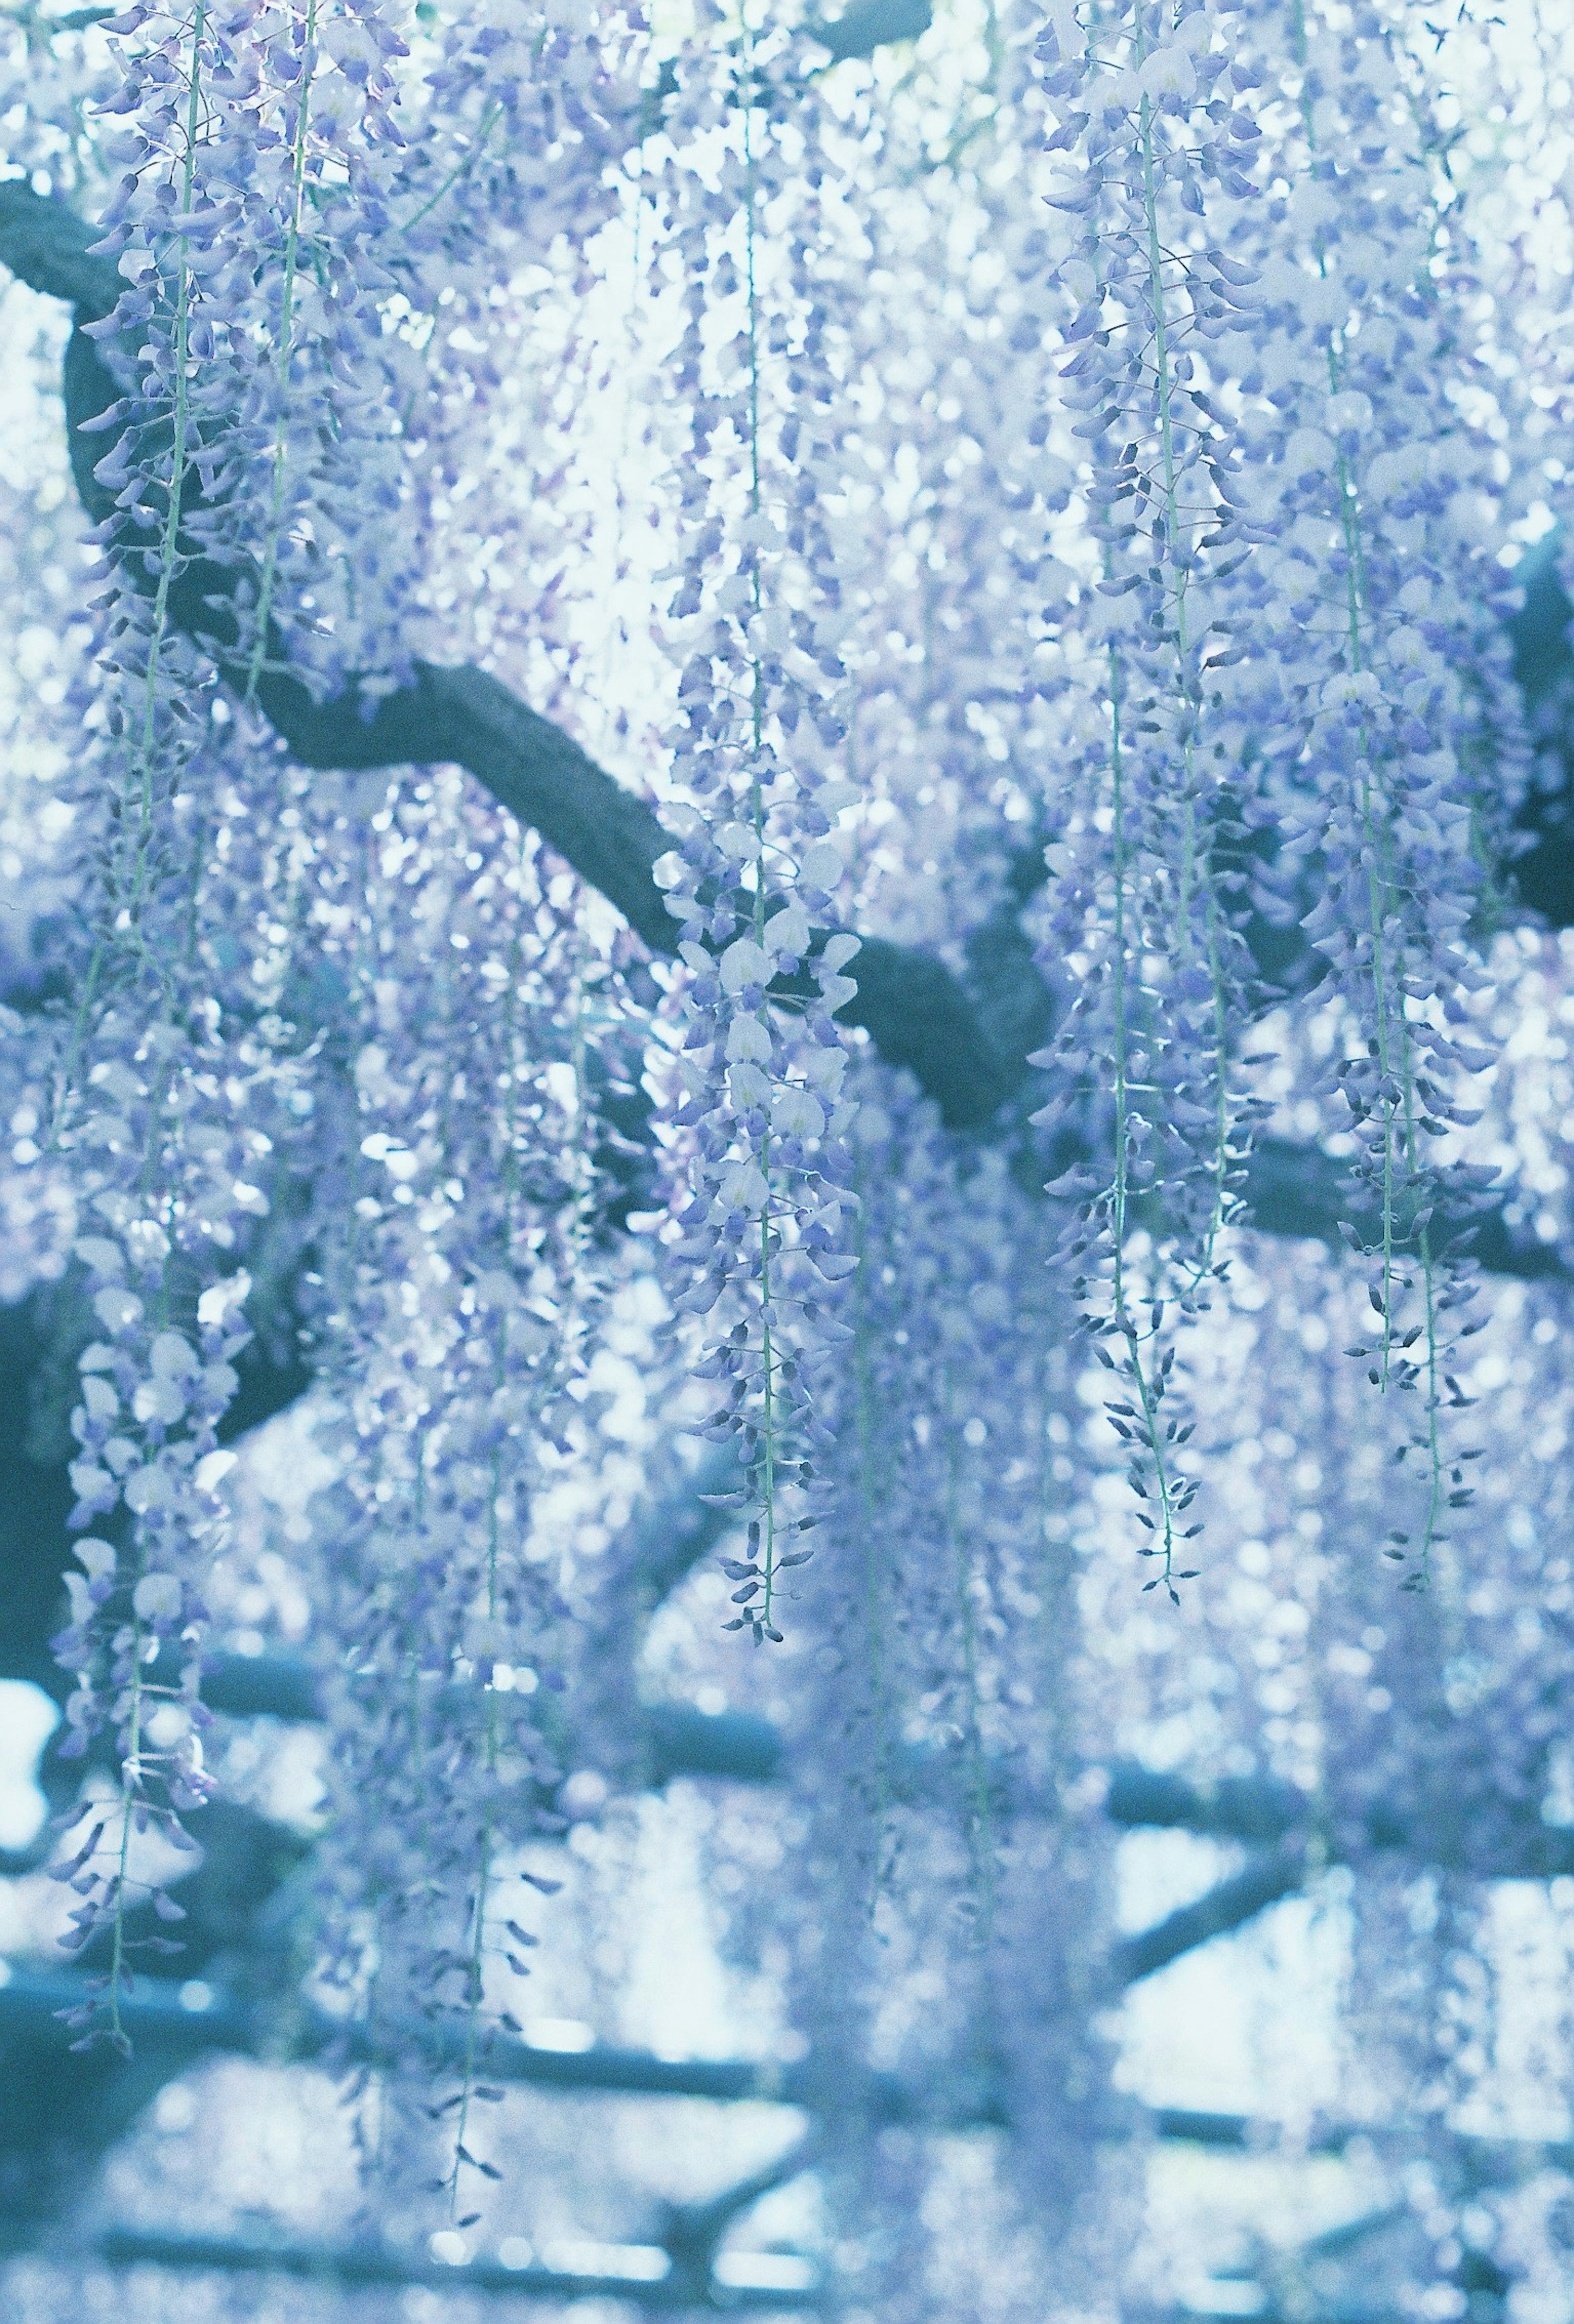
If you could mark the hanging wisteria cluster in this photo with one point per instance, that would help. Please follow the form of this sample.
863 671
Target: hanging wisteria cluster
756 617
1036 562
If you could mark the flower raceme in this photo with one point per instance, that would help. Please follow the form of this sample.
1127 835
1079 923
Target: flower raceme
1143 895
1282 647
1376 700
760 1073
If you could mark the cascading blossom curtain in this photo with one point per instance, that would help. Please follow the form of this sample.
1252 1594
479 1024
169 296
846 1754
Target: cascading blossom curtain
1087 541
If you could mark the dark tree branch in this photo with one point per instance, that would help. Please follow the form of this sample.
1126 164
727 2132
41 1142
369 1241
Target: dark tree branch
161 2023
1302 1192
1543 664
1500 1839
916 1010
690 2233
353 2265
46 246
1276 1874
1480 1832
1256 1808
871 24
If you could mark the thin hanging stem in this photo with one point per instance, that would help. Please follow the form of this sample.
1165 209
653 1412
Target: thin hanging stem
286 356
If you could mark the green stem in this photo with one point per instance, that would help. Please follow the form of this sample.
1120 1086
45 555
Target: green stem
170 545
767 1463
1189 873
476 1969
1375 838
980 1820
130 1783
462 169
866 1438
286 353
1122 1188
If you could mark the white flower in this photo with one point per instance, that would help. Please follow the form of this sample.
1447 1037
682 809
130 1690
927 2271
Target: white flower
114 1076
157 1598
98 1556
116 1309
1309 452
744 1188
797 1114
89 1482
173 1357
211 1468
164 1400
1345 688
1407 648
102 1256
1394 470
749 1086
100 1398
220 1301
1324 301
824 1069
147 1243
1170 73
487 1640
168 1724
1350 412
748 1039
739 843
372 1070
147 1488
787 931
744 963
